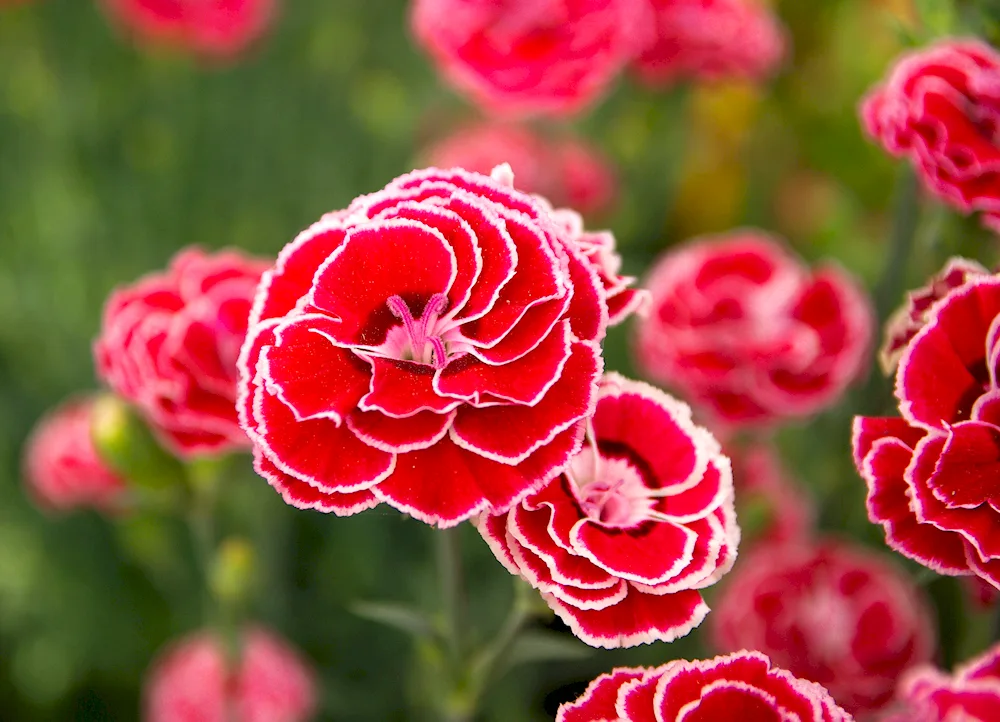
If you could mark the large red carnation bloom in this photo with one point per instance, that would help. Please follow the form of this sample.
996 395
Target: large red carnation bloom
191 682
933 474
435 346
214 28
61 466
746 332
520 57
742 687
711 40
169 344
622 542
940 108
971 694
832 613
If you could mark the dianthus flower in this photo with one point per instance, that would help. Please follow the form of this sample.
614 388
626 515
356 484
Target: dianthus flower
971 694
764 488
621 543
831 613
747 333
932 472
436 346
566 171
940 109
191 682
523 57
711 40
742 686
169 344
211 28
61 466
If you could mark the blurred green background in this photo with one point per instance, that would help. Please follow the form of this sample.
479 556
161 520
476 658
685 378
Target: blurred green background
112 158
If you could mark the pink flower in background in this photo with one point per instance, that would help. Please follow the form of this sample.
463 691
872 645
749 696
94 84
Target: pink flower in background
566 171
932 474
190 682
711 40
764 487
521 57
622 542
212 28
61 466
940 108
971 694
746 332
742 686
983 594
169 344
832 613
436 347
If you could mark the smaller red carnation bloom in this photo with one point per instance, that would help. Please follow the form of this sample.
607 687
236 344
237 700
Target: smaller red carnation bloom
61 466
940 108
211 28
745 331
169 344
909 318
742 686
971 694
763 486
711 40
831 613
566 171
622 542
191 682
522 57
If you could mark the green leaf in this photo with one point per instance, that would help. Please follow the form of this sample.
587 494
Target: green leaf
543 646
399 616
937 16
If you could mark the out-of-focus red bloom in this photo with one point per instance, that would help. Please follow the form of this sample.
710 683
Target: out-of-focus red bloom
832 613
61 466
211 28
566 171
763 486
940 108
191 682
932 474
711 40
169 344
742 686
436 346
746 332
983 594
622 542
521 57
971 694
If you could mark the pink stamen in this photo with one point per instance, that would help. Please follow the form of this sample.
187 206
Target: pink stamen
420 333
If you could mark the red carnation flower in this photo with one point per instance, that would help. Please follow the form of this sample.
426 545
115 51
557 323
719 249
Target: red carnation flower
932 474
436 346
940 108
212 28
711 40
763 487
169 344
642 519
980 592
191 682
742 687
971 694
61 466
834 614
742 329
531 56
566 171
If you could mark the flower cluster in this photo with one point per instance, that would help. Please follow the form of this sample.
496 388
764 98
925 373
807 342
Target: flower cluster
621 543
932 472
940 109
831 613
971 693
748 334
742 686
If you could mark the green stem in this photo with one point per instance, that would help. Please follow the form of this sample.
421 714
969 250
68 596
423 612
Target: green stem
449 562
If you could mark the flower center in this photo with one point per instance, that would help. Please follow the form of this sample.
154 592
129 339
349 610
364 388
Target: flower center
611 491
421 340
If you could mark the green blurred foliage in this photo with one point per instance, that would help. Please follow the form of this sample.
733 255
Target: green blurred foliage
111 159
